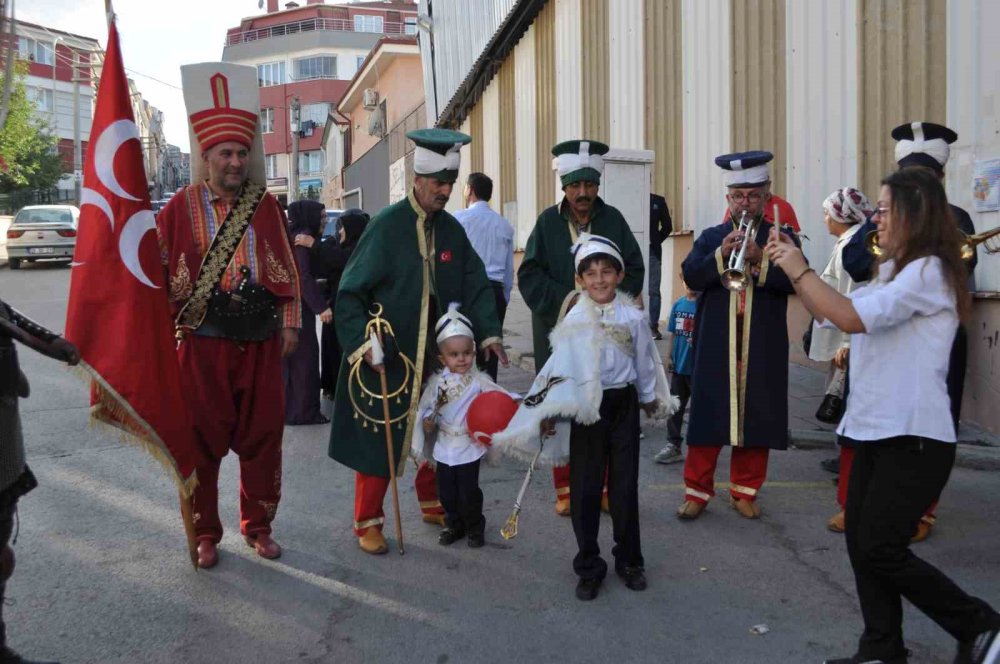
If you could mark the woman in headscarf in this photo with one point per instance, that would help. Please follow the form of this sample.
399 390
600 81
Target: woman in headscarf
301 369
330 256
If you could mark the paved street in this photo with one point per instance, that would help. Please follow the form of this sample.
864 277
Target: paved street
103 576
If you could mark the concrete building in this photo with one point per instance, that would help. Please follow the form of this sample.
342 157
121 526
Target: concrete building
175 170
309 53
820 84
383 101
52 57
149 120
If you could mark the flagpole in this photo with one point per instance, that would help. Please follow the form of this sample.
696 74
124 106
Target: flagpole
188 517
390 448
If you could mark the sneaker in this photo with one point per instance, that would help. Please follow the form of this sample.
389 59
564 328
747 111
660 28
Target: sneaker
586 589
656 333
671 453
984 649
831 465
634 578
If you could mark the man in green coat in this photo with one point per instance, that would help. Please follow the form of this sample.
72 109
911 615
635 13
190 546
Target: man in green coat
546 277
413 259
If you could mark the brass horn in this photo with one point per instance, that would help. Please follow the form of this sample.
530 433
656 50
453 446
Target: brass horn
985 238
871 244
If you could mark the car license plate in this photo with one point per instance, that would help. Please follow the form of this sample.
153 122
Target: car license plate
41 250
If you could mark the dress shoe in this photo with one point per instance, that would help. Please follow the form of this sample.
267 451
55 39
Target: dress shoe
923 531
264 546
476 540
208 554
748 509
586 589
435 519
831 465
836 522
8 656
562 506
373 542
634 577
690 510
449 536
605 505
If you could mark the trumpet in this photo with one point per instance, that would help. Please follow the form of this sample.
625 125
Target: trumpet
969 243
735 278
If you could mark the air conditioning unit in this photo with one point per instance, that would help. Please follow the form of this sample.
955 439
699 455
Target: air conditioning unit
370 98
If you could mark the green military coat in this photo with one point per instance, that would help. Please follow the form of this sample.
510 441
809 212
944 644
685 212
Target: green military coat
547 275
400 266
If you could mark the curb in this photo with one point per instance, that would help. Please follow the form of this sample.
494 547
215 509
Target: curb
972 453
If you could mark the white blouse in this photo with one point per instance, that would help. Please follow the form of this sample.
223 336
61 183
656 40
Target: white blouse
899 365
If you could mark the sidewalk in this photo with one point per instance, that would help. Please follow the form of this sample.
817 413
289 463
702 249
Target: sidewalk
806 387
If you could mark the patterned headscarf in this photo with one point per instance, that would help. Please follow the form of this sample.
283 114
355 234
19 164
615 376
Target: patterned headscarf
848 206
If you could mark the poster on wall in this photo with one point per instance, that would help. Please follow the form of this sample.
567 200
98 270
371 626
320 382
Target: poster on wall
986 185
397 180
310 189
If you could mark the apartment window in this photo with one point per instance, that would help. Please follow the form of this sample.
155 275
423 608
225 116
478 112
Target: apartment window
310 162
368 23
42 99
321 66
271 166
266 120
36 51
360 61
315 112
410 25
271 73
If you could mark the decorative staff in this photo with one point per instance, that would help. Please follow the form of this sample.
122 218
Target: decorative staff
509 530
375 330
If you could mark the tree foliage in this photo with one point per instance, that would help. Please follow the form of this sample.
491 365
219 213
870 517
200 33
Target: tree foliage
28 156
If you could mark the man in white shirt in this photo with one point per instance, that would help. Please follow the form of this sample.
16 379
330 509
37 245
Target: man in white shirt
493 239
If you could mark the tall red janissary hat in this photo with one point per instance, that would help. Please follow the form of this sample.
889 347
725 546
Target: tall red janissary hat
223 101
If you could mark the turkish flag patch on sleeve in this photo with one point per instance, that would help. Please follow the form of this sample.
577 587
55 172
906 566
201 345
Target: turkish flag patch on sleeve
445 257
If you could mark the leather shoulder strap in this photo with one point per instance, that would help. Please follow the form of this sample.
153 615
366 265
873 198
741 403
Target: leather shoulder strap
219 254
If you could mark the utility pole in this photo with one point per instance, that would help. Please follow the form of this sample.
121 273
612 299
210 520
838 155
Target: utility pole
293 168
77 157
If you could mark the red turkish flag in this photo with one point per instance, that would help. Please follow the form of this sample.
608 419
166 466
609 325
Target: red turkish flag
118 315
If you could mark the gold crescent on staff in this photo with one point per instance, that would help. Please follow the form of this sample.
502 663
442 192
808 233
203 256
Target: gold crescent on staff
381 327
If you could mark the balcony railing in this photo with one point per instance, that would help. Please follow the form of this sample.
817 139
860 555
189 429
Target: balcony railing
312 25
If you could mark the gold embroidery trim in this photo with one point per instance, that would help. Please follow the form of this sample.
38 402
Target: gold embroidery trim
180 283
219 255
275 270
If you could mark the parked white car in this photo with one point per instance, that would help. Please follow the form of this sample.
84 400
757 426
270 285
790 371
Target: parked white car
42 231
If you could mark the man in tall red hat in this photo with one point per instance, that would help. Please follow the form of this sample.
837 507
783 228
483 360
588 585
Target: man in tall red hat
235 295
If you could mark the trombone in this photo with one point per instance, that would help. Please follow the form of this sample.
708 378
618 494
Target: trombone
969 243
735 278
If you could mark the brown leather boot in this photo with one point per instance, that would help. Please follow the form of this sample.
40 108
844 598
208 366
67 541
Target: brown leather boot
435 519
748 509
373 542
562 506
208 554
264 546
690 510
836 522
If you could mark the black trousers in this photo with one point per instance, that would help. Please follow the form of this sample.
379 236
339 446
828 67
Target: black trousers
330 356
461 497
490 366
893 482
612 442
680 385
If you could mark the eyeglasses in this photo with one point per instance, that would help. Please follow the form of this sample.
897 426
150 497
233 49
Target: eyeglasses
753 197
880 212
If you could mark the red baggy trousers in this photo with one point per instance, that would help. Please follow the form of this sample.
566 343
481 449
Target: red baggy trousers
747 471
369 495
846 459
237 403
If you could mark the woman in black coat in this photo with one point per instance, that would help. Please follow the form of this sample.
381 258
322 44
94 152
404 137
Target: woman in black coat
329 258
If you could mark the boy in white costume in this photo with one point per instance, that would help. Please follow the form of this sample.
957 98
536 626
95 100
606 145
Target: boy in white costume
444 436
604 366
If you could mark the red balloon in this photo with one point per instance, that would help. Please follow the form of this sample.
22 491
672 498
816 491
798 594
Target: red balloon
488 413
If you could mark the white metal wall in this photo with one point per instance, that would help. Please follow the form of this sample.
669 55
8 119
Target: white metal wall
628 129
456 201
569 83
491 139
526 137
462 30
707 130
821 39
973 94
